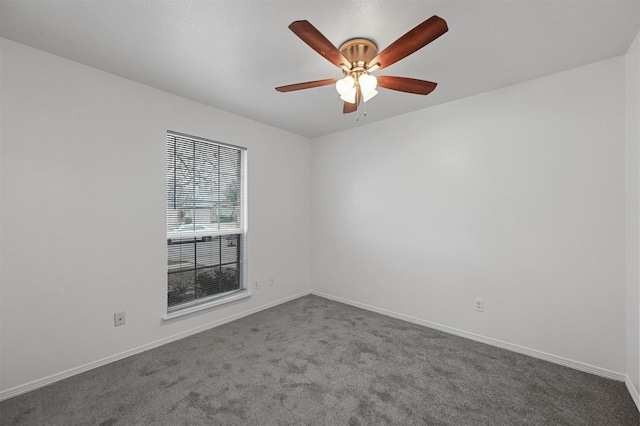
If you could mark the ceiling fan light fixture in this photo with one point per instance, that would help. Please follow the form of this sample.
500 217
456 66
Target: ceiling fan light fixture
368 83
345 86
350 97
368 95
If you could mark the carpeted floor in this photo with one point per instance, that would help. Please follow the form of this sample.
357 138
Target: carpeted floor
317 362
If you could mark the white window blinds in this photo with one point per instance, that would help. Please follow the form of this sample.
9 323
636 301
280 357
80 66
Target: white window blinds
205 220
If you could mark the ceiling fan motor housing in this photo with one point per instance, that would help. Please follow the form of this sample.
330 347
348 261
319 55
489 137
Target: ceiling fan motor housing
359 52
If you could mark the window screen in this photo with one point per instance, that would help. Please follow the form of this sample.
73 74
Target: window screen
205 220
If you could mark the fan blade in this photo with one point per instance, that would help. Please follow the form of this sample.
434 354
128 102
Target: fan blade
306 85
408 85
412 41
349 107
314 38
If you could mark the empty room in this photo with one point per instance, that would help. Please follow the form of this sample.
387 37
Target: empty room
319 212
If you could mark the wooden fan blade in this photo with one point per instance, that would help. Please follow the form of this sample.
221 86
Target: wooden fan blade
412 41
314 38
408 85
349 107
306 85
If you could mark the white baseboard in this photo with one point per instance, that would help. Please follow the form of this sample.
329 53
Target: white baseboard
18 390
33 385
487 340
635 394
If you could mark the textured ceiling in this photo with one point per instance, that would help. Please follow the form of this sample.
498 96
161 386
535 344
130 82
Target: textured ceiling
231 54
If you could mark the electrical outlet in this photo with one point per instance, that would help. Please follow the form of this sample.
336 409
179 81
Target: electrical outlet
271 282
479 305
119 318
256 284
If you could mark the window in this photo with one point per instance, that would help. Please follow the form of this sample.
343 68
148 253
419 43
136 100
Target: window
205 221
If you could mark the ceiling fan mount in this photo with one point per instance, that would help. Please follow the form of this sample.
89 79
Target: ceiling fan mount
358 51
359 57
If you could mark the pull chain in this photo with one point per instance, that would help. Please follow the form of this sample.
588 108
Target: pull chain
358 111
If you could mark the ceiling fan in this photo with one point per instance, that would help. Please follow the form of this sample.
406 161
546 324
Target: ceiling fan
359 57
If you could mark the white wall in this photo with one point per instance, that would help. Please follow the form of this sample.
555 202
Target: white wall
515 196
633 218
82 173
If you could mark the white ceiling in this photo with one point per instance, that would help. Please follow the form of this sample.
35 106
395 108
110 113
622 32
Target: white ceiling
231 54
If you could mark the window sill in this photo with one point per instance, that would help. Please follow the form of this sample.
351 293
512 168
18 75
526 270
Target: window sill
223 300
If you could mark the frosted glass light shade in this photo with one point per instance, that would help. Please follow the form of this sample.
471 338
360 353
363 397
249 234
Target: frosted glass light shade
350 97
345 86
368 95
367 83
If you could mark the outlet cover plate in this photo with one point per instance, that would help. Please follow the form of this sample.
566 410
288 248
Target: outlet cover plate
119 318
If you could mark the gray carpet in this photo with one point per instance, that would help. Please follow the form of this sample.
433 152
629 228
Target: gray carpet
317 362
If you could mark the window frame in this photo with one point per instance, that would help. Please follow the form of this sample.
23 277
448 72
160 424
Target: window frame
244 290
